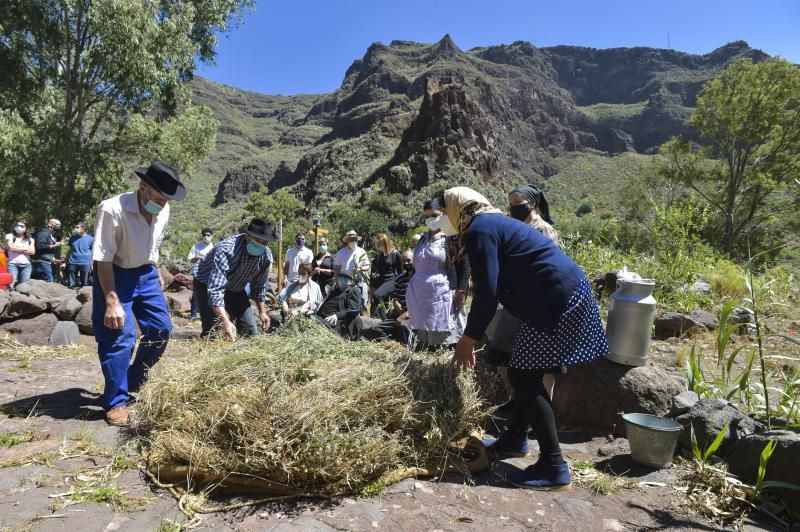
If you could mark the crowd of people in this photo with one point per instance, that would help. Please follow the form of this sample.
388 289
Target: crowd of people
37 255
531 301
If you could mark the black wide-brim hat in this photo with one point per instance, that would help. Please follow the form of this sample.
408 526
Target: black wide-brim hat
164 179
262 230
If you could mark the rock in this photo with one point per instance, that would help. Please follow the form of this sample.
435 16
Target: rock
708 417
683 402
65 333
593 395
705 318
21 304
31 331
771 324
44 290
85 294
68 309
700 287
675 324
4 297
741 315
618 446
166 276
180 301
184 280
84 319
783 466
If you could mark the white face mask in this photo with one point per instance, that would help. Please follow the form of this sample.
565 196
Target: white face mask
207 239
323 248
448 229
303 279
352 245
433 222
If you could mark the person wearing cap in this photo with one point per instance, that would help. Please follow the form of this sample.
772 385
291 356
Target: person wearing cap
196 256
353 260
340 309
220 284
514 264
48 251
295 256
127 284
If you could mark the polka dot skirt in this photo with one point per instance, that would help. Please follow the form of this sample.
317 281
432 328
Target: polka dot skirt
577 338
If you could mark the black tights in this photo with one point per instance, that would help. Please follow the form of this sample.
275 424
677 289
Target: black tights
532 407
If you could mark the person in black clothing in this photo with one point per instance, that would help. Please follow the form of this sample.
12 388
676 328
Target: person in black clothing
48 251
386 266
340 309
323 267
396 325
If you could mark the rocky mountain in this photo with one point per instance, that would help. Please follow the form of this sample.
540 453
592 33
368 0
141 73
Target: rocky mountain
409 116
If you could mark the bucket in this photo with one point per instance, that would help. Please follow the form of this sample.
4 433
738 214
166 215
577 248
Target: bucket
652 439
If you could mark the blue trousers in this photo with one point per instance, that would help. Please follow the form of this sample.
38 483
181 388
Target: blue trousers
42 271
141 298
78 275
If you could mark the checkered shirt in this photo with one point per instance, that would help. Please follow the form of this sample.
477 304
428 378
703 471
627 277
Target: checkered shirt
230 267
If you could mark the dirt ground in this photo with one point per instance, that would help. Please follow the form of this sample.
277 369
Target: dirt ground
62 468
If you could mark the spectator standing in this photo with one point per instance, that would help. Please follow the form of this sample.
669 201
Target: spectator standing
79 257
20 250
220 284
438 290
295 256
128 285
386 266
197 255
354 261
48 251
414 240
323 267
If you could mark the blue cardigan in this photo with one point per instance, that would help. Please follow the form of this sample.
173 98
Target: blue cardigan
515 264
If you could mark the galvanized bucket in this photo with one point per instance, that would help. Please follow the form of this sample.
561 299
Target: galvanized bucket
652 439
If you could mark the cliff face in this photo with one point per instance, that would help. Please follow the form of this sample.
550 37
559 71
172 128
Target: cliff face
409 115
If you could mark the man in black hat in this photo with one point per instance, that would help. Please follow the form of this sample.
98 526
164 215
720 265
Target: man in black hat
220 284
127 284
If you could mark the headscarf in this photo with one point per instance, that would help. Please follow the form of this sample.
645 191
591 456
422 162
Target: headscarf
536 199
462 205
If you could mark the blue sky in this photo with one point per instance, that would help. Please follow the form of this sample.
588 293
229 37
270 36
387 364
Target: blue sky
305 46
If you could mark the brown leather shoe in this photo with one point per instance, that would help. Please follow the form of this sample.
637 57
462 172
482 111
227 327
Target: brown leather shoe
118 417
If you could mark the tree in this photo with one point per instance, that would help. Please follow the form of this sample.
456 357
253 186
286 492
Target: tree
749 117
92 87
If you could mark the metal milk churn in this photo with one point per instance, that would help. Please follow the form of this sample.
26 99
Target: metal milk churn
630 322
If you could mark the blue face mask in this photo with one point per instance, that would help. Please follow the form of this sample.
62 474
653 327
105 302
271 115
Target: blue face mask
343 283
300 242
255 249
151 206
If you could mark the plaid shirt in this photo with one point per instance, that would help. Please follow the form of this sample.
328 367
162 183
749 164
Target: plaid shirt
230 267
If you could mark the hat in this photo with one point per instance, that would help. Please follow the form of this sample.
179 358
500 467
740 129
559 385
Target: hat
164 179
349 234
261 229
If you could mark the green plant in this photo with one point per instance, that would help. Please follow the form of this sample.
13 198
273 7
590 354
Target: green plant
762 484
703 455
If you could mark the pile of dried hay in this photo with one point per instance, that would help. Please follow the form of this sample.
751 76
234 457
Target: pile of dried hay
303 412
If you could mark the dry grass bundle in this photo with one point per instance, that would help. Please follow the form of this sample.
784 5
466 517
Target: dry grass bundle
307 411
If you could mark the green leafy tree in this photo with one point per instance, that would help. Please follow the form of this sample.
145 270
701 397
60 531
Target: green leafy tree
749 118
90 88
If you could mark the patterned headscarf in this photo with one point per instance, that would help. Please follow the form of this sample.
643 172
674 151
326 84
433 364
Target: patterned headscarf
535 198
462 205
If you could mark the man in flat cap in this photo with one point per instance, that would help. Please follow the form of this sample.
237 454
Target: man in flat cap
220 284
127 284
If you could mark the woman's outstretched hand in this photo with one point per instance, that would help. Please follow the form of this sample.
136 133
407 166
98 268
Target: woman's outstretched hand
464 357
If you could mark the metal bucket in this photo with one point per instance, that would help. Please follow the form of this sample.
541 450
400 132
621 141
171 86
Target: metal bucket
652 439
